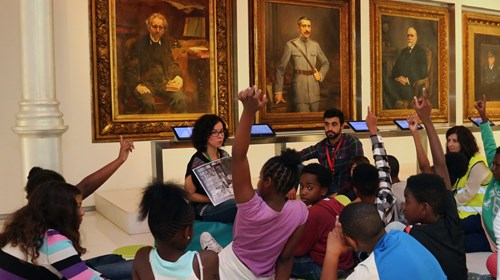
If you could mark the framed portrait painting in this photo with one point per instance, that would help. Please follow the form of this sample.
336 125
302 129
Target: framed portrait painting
481 37
302 55
158 64
409 55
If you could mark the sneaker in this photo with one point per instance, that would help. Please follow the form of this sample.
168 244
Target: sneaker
207 242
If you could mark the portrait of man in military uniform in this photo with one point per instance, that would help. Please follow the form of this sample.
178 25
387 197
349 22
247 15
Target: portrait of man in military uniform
490 74
302 58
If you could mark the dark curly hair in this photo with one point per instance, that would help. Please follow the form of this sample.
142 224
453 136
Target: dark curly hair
38 176
283 170
365 179
203 128
51 206
322 174
468 145
334 112
167 208
429 188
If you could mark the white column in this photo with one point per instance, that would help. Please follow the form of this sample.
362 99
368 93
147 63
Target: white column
39 123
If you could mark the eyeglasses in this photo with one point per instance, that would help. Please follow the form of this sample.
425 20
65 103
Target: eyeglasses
217 133
160 27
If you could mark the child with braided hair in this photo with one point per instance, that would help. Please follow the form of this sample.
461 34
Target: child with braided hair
268 226
171 219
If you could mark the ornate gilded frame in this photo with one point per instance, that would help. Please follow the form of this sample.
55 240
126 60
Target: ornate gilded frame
108 121
274 22
432 25
481 34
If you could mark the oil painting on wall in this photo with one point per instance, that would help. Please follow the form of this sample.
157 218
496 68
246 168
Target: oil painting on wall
159 63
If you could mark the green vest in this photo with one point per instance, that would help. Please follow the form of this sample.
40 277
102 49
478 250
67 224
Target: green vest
474 205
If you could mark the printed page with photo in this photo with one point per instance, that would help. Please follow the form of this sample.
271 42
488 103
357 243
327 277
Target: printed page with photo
216 179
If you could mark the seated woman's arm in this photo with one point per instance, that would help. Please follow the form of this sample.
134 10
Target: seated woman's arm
479 175
193 196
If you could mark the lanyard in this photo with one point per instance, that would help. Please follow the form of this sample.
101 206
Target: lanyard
208 156
331 160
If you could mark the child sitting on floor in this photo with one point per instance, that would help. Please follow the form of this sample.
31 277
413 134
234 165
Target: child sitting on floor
310 253
393 255
171 219
267 227
372 184
41 240
429 203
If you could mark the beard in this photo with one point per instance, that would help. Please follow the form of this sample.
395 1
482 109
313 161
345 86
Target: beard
332 135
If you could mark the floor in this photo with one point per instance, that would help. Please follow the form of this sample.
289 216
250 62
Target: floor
100 236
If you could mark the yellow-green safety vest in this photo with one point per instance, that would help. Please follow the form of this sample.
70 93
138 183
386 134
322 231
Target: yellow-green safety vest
474 205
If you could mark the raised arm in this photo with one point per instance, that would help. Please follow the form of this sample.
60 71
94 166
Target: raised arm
379 152
385 200
489 143
423 161
424 108
242 184
93 181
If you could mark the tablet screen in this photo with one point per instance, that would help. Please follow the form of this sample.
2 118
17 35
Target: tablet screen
358 126
182 132
403 124
478 121
262 129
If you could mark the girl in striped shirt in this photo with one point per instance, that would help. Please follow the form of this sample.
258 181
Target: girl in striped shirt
41 240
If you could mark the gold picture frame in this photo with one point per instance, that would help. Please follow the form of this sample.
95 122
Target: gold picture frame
481 43
199 36
397 73
274 24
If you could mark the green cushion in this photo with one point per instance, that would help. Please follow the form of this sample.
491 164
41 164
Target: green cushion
222 232
128 252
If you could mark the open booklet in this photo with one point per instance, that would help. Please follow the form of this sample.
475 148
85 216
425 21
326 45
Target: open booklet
216 179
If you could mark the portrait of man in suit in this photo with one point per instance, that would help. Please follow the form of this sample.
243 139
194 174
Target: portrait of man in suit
410 66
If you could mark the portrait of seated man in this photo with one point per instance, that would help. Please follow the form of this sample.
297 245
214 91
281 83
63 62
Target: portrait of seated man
410 66
151 71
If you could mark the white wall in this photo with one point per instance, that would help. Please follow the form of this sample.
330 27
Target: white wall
73 89
11 195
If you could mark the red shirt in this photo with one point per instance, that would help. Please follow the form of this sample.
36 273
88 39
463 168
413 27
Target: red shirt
320 222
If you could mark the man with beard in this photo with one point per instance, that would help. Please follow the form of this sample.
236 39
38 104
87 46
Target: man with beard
410 66
336 150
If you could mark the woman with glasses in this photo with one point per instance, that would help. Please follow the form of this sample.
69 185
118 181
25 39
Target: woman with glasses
209 135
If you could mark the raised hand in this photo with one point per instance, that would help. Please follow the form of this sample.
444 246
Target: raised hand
371 121
480 105
423 107
126 147
336 243
413 122
251 99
